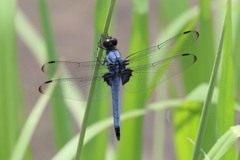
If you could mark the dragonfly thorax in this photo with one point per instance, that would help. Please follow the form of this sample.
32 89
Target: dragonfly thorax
112 56
116 66
114 62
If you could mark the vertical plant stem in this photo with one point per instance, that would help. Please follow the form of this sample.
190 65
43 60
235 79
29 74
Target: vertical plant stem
61 118
98 143
86 114
225 106
206 107
10 99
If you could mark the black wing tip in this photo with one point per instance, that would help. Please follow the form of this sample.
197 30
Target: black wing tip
42 68
187 32
192 31
117 131
46 64
195 58
48 82
52 62
187 54
40 88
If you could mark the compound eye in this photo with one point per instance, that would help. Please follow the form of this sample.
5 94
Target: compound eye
114 41
110 42
107 42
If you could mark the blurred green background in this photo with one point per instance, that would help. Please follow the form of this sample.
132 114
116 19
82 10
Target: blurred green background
35 32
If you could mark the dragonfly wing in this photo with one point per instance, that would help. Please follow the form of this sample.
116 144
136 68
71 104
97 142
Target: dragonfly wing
164 50
150 75
67 69
77 88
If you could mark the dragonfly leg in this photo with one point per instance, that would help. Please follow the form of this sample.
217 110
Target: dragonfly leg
100 43
124 63
99 59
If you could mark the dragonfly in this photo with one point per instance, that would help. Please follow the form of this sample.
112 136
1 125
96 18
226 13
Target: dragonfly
138 72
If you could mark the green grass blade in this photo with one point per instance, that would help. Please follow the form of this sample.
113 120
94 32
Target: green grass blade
28 129
206 107
100 109
205 51
168 12
238 154
158 135
185 20
186 118
196 96
67 152
236 51
224 143
226 89
46 29
89 103
62 126
31 37
10 99
131 141
176 25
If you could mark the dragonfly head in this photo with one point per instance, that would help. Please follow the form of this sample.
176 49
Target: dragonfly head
110 43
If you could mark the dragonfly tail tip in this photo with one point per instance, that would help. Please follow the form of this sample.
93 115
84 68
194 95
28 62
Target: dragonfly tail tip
117 130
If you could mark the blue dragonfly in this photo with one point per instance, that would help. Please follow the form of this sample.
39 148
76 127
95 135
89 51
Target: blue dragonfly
137 72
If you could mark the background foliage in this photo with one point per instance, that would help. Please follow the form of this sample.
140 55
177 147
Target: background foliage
153 127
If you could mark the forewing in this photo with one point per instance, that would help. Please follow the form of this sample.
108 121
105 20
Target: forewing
77 88
66 69
150 75
164 50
